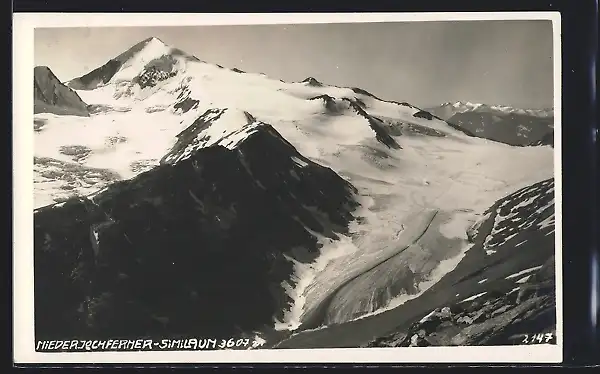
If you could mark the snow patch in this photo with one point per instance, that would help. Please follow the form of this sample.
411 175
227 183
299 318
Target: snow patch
427 317
514 290
299 162
515 275
473 297
523 280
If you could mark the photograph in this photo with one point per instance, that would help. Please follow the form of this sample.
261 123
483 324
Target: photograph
293 188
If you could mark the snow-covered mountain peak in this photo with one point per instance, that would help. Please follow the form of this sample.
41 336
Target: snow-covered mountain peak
466 105
151 55
147 47
152 50
154 39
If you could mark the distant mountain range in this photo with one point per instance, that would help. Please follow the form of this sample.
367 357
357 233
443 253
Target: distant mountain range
499 123
447 110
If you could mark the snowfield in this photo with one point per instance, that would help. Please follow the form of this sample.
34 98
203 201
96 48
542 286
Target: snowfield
417 200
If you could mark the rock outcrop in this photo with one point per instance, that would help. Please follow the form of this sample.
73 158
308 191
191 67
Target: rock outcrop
493 319
51 96
547 139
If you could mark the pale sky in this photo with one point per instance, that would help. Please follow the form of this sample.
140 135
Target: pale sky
424 63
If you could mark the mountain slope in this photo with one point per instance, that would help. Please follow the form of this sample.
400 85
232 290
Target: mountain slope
142 257
51 96
338 205
113 140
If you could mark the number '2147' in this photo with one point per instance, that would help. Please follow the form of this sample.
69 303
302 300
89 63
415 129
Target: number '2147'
538 338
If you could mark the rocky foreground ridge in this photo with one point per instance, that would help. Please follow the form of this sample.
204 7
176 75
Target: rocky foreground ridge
495 318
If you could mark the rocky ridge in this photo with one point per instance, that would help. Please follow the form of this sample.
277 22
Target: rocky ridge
495 318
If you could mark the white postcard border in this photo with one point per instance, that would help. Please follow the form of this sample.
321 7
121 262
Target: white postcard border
23 341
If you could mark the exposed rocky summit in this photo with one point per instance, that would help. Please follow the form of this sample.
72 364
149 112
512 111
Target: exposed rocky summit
155 71
310 81
423 114
51 96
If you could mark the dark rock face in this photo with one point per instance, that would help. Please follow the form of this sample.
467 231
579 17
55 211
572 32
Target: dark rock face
312 82
332 105
506 319
39 124
51 96
186 105
156 71
547 139
423 114
377 125
397 128
416 130
185 102
192 248
363 92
